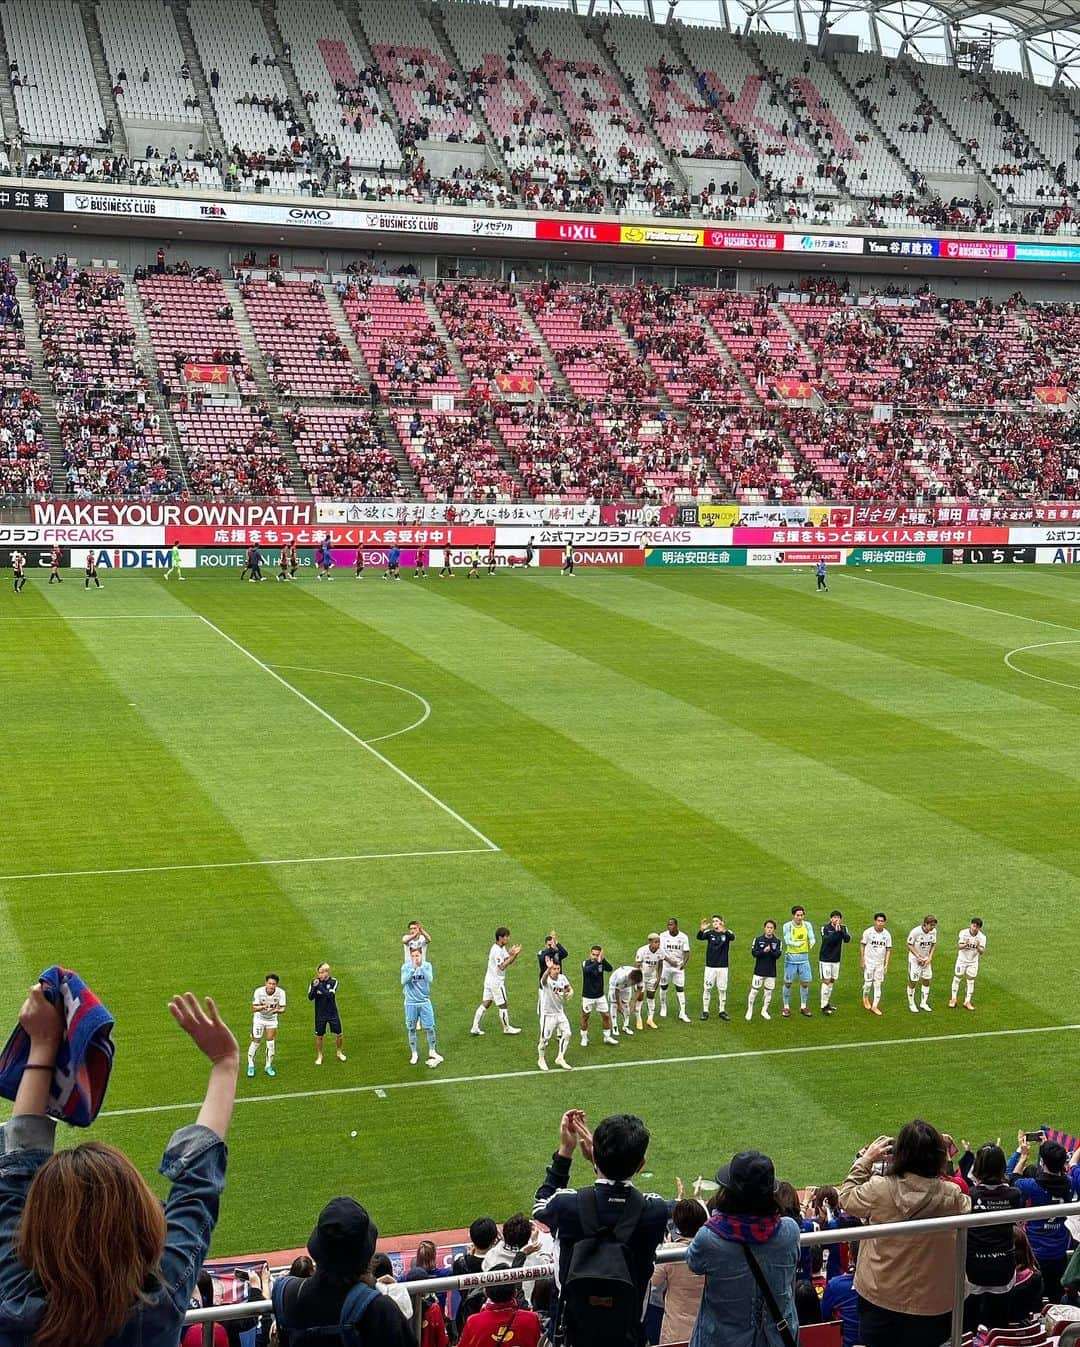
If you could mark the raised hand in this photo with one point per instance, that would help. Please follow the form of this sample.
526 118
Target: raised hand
41 1020
206 1029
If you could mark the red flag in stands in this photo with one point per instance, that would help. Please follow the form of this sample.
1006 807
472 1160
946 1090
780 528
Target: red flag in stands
515 383
1052 394
206 374
795 389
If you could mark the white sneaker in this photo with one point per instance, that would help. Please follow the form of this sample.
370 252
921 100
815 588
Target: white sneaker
612 1039
684 1017
928 1009
561 1061
434 1059
414 1059
628 1031
913 1007
541 1062
749 1015
509 1029
318 1061
765 1015
584 1040
663 1012
478 1032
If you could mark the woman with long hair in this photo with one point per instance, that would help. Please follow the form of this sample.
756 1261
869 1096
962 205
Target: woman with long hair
680 1288
991 1259
88 1254
905 1286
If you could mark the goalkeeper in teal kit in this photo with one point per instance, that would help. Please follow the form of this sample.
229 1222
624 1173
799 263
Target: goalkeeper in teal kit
417 976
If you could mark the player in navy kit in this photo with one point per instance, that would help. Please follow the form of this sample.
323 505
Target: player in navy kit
822 583
834 936
765 951
592 994
323 991
719 940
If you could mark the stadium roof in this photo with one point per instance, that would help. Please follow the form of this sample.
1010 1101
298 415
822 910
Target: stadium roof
1039 39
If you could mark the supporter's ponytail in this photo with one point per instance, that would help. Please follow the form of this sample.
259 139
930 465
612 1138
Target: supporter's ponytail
93 1234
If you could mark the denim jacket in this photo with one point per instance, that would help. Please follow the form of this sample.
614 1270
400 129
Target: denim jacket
733 1312
194 1163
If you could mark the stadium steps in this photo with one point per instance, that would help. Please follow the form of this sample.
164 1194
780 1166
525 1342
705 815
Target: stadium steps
807 354
857 97
103 75
581 148
292 84
40 381
560 386
433 14
908 71
356 28
392 441
148 362
595 29
345 332
199 81
750 397
456 362
8 115
998 105
264 386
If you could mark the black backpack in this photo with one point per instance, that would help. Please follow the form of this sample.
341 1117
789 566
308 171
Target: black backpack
600 1303
356 1303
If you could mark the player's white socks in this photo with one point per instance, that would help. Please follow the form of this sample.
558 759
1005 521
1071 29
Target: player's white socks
721 999
826 993
750 1000
970 988
955 988
925 999
911 997
877 994
504 1018
663 1000
253 1048
680 996
766 1000
271 1048
650 1006
477 1018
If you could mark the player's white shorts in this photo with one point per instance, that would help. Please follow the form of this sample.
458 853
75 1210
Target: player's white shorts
260 1024
494 992
919 972
966 968
757 982
830 972
649 986
553 1026
591 1003
716 977
673 977
624 999
875 973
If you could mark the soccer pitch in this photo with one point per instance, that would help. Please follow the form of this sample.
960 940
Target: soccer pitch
207 782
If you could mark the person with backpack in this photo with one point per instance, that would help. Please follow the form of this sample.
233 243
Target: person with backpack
501 1320
338 1306
606 1234
748 1254
483 1236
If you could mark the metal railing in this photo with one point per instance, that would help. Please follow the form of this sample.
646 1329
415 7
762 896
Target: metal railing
255 1309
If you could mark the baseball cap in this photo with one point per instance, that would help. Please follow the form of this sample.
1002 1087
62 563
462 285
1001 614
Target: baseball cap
749 1174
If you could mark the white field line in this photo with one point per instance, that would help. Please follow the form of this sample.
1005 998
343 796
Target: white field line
361 678
103 617
1041 645
398 771
963 603
246 865
427 1081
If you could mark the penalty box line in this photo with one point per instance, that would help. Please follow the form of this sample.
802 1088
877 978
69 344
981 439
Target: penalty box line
654 1063
362 743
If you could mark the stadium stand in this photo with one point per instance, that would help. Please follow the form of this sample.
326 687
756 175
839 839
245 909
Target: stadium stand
304 354
24 455
145 61
487 330
113 448
453 456
397 338
190 319
232 452
56 95
343 454
86 332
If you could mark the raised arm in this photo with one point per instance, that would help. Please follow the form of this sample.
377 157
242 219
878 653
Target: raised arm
215 1040
42 1022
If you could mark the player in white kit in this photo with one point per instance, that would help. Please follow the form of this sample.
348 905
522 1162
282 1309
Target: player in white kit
500 957
921 944
875 951
970 944
675 949
648 959
555 991
622 990
267 1002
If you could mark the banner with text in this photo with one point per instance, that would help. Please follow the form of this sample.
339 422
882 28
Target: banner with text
159 513
695 556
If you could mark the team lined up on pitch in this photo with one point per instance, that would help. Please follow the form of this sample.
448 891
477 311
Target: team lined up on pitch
635 993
